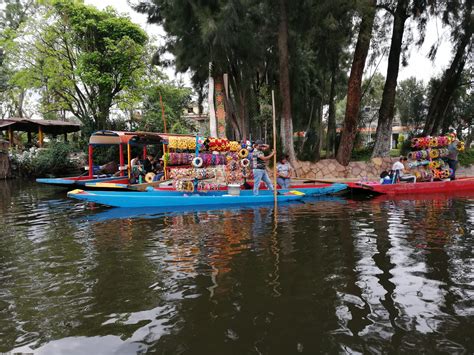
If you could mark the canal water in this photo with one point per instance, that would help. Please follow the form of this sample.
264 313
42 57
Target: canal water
332 275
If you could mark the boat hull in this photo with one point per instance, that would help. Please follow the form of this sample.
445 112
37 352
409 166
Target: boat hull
308 191
146 199
80 181
459 185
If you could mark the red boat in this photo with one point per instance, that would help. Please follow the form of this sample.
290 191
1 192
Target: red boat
458 185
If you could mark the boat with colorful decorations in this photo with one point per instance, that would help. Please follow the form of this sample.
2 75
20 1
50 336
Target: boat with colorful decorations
124 140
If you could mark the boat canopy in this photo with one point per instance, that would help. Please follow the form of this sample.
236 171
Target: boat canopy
133 138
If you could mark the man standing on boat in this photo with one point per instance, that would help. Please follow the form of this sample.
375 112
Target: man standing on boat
452 158
259 167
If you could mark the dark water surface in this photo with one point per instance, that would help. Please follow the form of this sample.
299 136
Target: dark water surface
333 276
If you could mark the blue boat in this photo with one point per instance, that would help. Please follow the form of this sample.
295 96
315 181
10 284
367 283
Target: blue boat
308 191
80 181
151 199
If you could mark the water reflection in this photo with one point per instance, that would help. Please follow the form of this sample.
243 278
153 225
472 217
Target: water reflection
333 275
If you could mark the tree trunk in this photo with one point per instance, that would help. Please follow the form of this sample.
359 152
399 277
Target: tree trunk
286 123
318 129
212 110
354 91
331 131
469 137
21 100
238 107
102 116
383 135
441 98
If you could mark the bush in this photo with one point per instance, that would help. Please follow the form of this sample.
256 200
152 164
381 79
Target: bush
52 161
405 147
466 158
363 154
394 153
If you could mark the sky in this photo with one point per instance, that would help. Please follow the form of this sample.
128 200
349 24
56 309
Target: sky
419 65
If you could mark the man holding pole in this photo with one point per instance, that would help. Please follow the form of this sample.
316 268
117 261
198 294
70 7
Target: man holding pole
259 166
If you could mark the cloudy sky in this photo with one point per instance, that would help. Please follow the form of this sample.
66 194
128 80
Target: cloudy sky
420 66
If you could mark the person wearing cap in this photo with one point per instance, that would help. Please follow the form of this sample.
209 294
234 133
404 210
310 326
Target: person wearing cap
259 167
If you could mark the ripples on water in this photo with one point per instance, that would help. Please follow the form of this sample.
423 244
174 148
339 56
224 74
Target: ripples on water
333 275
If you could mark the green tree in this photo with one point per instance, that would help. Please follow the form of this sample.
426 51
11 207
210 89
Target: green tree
82 59
458 15
12 16
175 100
411 102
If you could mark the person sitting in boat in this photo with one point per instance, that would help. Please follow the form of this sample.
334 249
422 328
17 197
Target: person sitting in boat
148 164
135 161
159 170
399 170
259 167
110 168
284 171
385 178
137 173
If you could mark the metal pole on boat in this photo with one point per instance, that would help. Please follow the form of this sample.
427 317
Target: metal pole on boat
129 153
274 150
91 163
121 159
166 131
164 162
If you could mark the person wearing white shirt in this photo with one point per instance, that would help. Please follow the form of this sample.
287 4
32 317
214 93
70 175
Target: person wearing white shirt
399 169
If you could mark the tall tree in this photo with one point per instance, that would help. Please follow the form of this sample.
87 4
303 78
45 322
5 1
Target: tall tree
462 32
12 16
235 35
387 107
286 123
354 91
82 59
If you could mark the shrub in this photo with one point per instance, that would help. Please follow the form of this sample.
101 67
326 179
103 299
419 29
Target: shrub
52 161
401 139
363 154
466 158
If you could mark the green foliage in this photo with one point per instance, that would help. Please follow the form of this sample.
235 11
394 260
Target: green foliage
401 139
13 15
466 158
53 160
175 100
81 59
394 153
405 148
362 154
411 102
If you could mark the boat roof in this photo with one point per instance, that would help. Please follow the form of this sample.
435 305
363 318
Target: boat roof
106 137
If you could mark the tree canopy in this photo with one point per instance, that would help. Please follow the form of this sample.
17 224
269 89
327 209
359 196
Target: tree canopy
315 55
